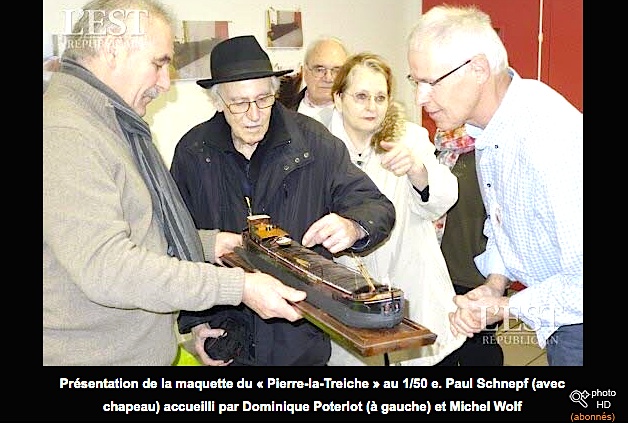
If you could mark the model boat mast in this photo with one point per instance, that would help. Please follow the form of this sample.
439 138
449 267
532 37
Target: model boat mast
365 273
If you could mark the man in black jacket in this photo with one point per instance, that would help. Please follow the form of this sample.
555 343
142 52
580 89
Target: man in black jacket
254 156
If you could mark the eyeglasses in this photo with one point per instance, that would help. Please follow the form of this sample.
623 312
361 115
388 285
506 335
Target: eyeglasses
321 71
242 107
364 98
417 83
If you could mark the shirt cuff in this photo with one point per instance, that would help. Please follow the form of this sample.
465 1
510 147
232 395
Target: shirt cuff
425 193
360 244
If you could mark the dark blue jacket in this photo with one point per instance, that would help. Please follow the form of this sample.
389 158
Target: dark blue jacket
298 173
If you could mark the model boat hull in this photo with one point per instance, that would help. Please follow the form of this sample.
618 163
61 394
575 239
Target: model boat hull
343 293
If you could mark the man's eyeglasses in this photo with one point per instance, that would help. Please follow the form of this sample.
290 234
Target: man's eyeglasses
242 107
364 98
321 71
418 83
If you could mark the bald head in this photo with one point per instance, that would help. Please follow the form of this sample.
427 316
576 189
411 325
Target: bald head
322 60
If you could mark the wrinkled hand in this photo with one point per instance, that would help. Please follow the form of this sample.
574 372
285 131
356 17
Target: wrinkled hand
201 333
225 243
268 297
334 232
477 309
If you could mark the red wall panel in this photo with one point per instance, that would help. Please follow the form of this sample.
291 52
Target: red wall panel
562 52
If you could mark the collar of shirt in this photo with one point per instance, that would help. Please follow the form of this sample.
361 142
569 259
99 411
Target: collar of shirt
473 131
476 132
308 102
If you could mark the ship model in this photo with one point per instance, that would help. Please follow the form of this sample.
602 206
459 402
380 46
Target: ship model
350 296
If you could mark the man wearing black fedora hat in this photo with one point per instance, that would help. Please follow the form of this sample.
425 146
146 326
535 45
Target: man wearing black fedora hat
255 156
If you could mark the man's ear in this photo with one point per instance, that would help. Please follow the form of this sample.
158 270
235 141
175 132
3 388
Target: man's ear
111 50
481 68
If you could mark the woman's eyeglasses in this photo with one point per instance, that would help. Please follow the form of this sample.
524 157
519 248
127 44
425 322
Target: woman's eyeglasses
364 98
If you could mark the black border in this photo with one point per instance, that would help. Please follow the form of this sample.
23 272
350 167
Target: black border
541 405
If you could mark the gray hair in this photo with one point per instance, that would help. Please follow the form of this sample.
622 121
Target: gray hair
214 96
89 35
457 33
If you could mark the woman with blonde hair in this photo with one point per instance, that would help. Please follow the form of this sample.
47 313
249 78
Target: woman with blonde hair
399 157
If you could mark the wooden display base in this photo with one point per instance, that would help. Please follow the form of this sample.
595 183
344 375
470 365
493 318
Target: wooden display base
366 342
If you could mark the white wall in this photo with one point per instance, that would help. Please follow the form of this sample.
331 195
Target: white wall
380 26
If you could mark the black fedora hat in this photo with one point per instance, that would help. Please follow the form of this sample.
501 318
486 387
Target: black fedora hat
239 58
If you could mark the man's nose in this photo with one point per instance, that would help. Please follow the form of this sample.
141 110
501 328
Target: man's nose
253 112
329 75
421 95
163 82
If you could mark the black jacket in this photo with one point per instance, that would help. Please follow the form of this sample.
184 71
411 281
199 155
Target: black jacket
298 173
290 96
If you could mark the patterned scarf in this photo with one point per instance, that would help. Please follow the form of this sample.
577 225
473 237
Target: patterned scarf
450 144
179 229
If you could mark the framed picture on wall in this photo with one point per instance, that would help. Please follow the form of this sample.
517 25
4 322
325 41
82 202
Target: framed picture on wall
192 47
284 28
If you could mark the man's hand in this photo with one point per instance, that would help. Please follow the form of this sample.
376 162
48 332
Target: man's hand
265 295
225 243
268 297
477 309
201 333
334 232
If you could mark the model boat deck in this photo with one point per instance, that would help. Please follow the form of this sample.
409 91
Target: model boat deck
347 295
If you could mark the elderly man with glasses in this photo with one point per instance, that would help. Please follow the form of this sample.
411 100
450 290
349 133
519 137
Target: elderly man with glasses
323 59
254 156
